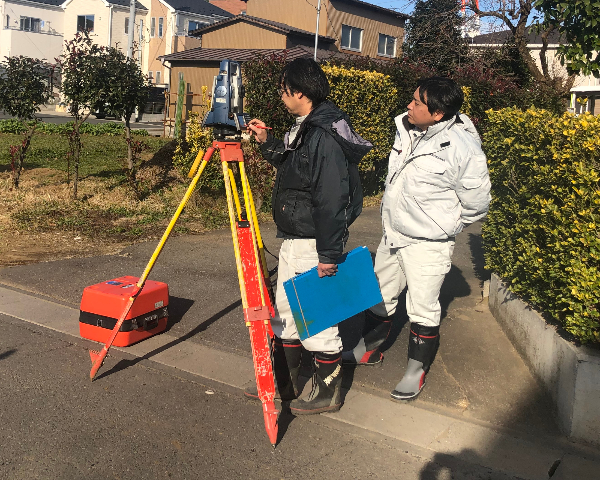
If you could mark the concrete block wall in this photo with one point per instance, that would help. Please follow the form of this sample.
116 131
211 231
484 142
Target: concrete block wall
570 373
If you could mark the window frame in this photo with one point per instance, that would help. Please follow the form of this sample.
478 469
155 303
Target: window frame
349 47
161 22
32 22
387 37
198 25
85 20
152 27
157 77
126 25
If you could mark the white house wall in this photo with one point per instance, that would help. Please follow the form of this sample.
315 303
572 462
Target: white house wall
46 44
101 14
119 38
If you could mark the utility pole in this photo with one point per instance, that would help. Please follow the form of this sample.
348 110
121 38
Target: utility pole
131 28
317 32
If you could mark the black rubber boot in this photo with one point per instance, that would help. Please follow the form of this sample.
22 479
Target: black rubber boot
287 355
375 332
325 393
423 344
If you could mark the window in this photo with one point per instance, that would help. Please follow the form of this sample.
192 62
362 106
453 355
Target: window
126 25
160 27
193 25
85 23
386 46
30 24
351 38
157 77
8 21
152 27
141 31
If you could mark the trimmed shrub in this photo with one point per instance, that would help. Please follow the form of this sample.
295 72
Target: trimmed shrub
369 99
541 234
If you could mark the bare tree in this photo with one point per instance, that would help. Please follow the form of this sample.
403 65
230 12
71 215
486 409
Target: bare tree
518 16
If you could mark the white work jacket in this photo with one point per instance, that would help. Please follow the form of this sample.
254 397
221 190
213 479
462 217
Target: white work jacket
436 184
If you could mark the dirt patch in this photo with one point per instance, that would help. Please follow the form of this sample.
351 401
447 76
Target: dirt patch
22 249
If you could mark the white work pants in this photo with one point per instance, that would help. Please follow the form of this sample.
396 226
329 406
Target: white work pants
297 256
421 267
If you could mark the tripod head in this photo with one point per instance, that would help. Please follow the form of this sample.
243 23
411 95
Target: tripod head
226 113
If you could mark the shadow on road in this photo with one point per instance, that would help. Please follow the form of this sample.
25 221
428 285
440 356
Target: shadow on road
476 247
123 364
8 353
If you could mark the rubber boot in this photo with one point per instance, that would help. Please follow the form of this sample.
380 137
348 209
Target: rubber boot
325 393
287 355
423 344
375 332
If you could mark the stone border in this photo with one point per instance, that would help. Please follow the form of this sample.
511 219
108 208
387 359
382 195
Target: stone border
570 373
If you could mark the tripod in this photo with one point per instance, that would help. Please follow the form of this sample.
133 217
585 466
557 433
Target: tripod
253 275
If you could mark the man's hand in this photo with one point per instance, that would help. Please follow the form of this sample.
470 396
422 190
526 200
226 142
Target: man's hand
260 134
326 269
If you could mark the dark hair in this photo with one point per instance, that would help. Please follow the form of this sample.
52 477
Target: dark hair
443 94
304 75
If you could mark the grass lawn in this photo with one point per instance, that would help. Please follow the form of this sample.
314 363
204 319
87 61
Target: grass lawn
41 215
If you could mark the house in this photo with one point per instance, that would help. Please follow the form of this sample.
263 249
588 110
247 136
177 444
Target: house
585 94
346 27
358 27
168 26
200 65
32 29
39 28
246 32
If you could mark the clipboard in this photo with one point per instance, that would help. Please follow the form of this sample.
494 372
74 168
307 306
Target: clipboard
319 303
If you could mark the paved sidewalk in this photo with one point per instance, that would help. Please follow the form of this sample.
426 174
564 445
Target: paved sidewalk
481 405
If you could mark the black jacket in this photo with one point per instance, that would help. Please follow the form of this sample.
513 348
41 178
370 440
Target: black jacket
317 191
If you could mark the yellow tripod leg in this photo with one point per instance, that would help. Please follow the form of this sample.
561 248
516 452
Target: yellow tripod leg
236 197
234 236
98 357
180 208
250 209
259 241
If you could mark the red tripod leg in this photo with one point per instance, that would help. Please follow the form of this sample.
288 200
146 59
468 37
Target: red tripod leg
258 318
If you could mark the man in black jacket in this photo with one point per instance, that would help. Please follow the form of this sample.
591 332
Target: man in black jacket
317 195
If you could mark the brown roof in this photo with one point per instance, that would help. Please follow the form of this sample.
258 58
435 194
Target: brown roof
279 27
244 54
232 6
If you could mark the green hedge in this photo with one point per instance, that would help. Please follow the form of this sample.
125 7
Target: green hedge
369 98
542 232
107 128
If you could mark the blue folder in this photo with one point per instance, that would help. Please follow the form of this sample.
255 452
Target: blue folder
319 303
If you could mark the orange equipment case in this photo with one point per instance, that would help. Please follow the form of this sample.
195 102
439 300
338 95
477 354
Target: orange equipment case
102 305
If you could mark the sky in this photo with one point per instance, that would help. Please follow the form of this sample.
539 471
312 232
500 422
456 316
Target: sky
407 6
404 6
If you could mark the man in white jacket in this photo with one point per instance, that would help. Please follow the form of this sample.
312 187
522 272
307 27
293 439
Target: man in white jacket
437 183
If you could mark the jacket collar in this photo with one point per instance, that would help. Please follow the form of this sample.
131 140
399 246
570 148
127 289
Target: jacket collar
434 140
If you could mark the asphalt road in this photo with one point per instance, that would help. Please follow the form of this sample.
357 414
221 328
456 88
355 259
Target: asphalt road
151 422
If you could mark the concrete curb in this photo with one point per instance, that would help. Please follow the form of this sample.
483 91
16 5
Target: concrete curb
570 373
423 432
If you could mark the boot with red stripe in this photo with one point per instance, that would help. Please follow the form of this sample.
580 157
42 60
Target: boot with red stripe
325 393
287 356
423 344
375 332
